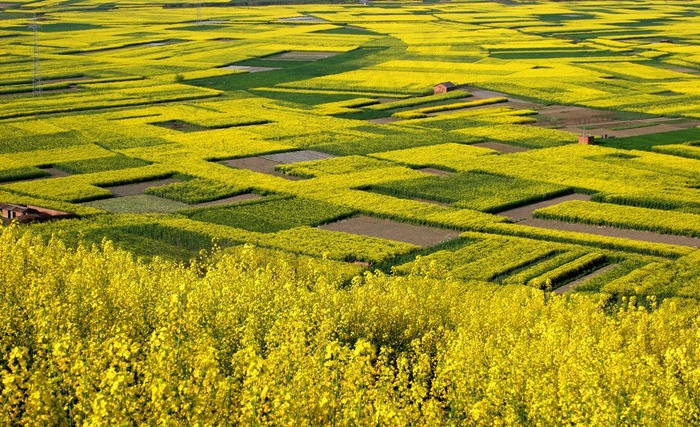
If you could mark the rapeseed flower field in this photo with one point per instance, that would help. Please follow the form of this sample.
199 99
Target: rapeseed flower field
350 214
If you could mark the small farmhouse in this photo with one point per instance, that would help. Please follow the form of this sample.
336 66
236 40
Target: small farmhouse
444 87
25 213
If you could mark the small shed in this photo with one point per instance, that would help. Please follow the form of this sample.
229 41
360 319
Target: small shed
444 87
586 139
25 213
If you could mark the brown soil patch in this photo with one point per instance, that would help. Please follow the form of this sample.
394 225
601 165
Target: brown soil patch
56 173
570 286
434 171
230 200
391 230
297 156
180 126
525 212
516 103
139 187
258 164
566 116
503 148
478 93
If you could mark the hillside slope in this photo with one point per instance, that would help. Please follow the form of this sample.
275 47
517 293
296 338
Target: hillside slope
92 336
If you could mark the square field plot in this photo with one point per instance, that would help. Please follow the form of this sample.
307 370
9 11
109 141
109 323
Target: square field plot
271 215
140 203
298 156
419 235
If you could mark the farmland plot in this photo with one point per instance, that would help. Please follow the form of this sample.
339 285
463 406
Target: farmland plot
260 124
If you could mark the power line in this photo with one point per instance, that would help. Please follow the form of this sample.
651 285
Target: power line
36 60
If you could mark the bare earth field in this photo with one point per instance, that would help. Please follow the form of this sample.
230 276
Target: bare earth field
571 285
498 146
392 230
56 173
139 187
258 164
297 156
525 212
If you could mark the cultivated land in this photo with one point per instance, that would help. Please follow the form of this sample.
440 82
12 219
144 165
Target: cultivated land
213 106
323 240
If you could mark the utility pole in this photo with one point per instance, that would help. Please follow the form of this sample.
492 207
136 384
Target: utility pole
36 81
199 13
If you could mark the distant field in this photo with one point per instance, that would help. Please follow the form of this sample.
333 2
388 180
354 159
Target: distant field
167 126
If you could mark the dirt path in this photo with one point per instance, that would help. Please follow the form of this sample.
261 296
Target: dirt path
570 286
297 156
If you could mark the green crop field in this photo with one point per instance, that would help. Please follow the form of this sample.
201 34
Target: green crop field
346 161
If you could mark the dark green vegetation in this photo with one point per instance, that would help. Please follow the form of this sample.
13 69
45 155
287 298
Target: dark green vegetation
482 191
268 216
196 191
647 142
22 173
102 164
